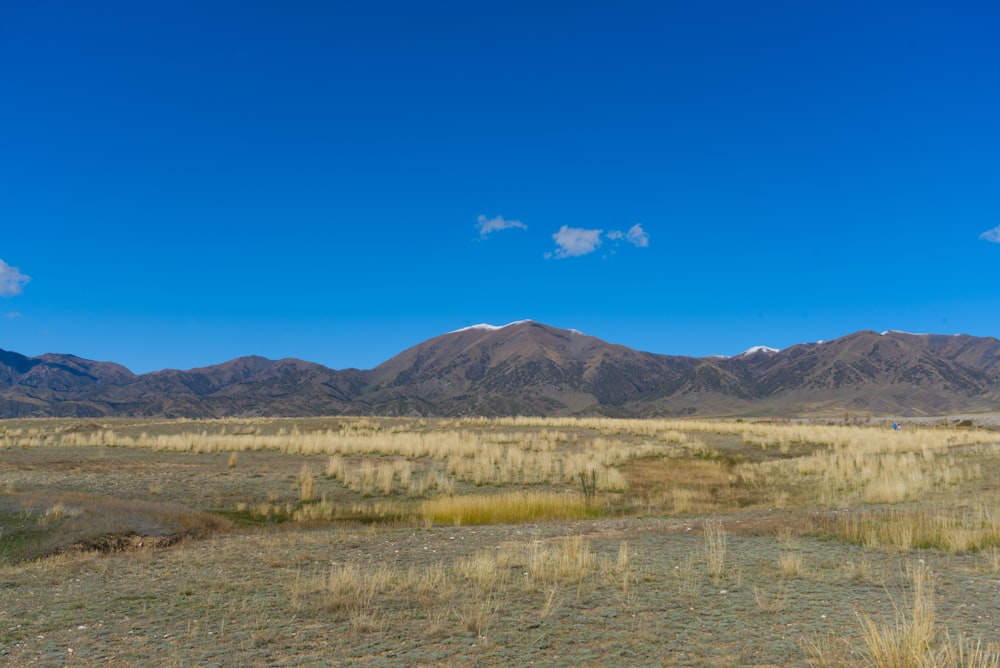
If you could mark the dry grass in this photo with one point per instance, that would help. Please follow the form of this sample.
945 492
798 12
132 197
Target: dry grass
965 653
715 549
861 570
790 565
687 578
908 639
951 529
911 639
770 602
509 507
991 560
569 561
337 549
481 471
474 590
649 466
307 486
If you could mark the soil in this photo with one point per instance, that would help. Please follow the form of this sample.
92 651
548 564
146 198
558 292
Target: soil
232 600
236 595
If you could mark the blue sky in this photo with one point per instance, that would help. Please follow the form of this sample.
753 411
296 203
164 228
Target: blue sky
182 183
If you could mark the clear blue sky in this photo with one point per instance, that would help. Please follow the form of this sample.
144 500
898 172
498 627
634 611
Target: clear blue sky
182 183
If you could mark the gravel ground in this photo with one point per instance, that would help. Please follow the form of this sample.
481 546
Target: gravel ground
263 596
248 600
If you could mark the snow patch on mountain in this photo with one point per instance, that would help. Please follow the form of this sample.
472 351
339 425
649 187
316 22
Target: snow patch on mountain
488 326
760 349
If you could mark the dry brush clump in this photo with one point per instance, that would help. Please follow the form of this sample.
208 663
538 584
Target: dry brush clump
715 549
851 464
404 459
505 508
790 565
770 601
863 438
468 594
912 638
849 476
535 455
954 529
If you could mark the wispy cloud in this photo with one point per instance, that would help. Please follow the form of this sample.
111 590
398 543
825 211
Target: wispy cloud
487 225
14 315
635 236
575 241
12 281
991 235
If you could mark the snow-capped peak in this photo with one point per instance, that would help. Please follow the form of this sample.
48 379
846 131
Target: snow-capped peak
760 349
488 326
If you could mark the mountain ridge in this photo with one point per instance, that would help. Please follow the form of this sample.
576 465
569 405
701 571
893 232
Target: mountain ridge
528 368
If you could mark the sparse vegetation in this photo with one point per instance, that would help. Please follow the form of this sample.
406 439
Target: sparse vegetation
955 529
715 549
513 532
912 636
506 508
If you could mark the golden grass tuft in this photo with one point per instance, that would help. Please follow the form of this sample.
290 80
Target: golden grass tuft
569 561
307 486
484 570
953 530
790 565
505 508
908 640
715 549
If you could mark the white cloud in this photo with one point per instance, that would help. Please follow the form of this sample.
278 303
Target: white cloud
487 225
14 315
991 235
12 281
575 241
637 236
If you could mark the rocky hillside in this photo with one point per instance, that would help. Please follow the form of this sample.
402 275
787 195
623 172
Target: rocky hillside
527 368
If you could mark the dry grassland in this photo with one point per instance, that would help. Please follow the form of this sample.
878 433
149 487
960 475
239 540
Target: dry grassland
352 541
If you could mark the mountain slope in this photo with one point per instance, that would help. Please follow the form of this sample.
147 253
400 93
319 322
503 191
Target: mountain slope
542 368
892 372
527 368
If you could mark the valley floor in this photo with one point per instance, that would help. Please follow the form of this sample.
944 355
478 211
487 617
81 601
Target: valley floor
267 598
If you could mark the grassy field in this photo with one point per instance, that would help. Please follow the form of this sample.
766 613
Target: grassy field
560 542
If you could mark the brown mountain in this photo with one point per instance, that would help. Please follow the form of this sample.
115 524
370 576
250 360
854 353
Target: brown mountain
532 369
55 385
243 386
523 368
889 373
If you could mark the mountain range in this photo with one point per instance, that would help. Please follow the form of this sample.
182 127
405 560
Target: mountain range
528 368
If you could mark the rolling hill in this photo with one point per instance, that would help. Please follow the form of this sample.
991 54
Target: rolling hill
527 368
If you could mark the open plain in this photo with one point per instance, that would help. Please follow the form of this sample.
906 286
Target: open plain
518 541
